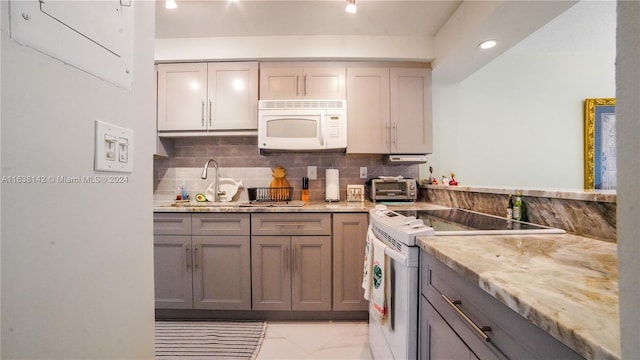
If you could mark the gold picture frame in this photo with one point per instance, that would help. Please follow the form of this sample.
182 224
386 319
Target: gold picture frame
595 111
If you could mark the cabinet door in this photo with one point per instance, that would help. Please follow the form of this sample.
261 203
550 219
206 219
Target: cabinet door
172 272
437 340
368 111
271 272
222 272
311 281
349 235
298 80
280 81
182 93
233 96
323 82
411 124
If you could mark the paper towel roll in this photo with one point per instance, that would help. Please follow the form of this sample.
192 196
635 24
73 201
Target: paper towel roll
332 188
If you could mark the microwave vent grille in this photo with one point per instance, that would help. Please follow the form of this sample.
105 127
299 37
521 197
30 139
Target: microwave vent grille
302 104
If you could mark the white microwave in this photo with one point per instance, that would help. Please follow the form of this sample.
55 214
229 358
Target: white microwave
302 125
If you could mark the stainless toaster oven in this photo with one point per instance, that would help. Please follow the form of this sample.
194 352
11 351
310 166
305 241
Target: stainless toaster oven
394 189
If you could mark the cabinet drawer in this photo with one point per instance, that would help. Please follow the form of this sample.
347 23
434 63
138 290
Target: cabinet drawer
290 224
171 224
511 335
220 224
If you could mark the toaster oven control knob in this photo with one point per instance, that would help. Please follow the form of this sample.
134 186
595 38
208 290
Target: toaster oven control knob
412 185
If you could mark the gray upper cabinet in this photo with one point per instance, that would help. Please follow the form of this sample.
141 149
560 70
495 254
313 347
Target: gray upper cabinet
349 234
411 116
302 80
196 97
368 112
389 110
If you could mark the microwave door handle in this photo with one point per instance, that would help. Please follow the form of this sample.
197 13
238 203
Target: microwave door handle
321 125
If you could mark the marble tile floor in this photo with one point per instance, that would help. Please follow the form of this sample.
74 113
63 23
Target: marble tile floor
300 340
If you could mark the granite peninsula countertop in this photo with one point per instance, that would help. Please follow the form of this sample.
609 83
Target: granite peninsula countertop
565 284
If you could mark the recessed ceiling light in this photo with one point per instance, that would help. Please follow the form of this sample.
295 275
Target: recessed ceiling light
488 44
171 4
351 6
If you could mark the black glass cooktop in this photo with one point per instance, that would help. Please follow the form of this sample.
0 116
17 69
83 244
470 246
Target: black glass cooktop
463 220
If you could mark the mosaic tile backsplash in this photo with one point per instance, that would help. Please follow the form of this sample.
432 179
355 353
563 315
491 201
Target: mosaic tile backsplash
239 159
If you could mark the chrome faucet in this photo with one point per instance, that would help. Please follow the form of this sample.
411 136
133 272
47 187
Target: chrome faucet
217 192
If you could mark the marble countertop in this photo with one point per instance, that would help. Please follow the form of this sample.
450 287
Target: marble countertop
584 195
313 206
565 284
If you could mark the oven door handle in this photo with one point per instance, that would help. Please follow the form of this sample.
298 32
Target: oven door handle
395 255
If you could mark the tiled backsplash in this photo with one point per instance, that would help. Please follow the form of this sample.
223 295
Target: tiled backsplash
239 159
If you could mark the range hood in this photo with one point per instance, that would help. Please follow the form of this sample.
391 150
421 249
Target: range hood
406 159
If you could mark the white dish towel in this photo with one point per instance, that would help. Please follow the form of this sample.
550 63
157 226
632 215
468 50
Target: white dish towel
368 263
378 307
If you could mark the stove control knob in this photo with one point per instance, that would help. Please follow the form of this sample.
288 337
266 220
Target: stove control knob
381 207
409 220
416 224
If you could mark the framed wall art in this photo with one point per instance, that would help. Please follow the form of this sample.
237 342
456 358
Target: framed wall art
600 144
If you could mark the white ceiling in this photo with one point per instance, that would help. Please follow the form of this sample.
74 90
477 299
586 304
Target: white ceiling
282 18
444 33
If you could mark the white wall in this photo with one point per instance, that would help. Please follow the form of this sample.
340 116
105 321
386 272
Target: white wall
77 259
518 122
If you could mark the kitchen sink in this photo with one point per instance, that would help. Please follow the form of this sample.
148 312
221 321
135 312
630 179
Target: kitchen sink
206 204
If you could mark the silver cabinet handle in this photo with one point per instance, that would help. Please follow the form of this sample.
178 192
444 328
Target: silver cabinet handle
186 247
396 135
479 330
297 85
289 225
195 257
305 86
210 114
287 253
388 139
295 259
202 113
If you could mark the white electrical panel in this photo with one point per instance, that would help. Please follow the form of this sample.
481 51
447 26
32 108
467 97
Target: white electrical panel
94 36
113 148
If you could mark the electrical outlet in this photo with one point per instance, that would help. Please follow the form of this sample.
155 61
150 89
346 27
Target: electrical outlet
312 172
363 172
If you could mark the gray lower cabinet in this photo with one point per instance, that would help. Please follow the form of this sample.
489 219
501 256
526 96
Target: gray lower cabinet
172 271
438 339
349 234
291 262
202 261
459 320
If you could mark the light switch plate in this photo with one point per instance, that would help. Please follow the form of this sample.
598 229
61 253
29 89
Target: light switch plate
113 148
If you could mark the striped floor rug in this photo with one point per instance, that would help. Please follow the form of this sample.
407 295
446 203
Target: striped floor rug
209 339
